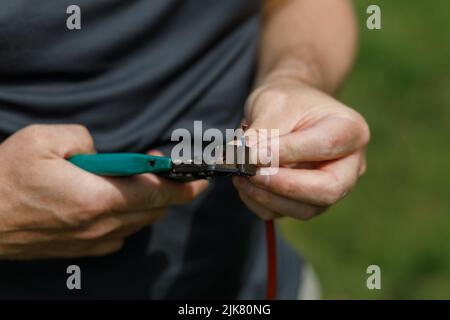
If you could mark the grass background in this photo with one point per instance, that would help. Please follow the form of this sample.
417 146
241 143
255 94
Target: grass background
398 217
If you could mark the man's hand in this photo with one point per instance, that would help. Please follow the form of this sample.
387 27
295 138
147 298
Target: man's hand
49 208
321 150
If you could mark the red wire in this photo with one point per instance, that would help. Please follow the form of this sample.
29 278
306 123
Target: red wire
271 261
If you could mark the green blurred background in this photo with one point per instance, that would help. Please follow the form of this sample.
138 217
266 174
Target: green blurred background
398 217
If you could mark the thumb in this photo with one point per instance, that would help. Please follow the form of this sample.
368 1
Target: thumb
328 139
62 141
263 136
75 139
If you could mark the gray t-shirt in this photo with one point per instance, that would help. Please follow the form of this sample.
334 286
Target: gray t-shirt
134 72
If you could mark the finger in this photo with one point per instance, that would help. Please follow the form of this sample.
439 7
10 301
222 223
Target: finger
276 203
363 164
88 196
77 137
328 139
322 187
103 248
112 226
134 222
118 226
63 141
86 249
261 211
65 250
24 237
140 192
148 191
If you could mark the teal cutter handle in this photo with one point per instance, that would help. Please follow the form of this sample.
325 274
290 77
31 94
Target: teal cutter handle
121 164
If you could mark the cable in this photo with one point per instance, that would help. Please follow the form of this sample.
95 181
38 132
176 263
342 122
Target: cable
271 291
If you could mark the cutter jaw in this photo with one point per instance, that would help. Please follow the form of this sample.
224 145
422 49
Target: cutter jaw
241 166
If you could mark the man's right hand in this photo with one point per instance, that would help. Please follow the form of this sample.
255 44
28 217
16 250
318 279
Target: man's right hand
50 208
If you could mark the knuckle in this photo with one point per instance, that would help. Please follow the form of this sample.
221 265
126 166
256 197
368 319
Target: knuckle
83 214
97 205
364 132
94 201
333 193
82 134
35 135
75 219
88 213
100 229
330 143
362 169
80 131
360 127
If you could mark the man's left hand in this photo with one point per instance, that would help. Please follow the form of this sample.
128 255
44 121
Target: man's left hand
321 150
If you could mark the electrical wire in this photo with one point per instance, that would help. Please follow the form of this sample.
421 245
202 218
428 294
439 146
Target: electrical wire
271 290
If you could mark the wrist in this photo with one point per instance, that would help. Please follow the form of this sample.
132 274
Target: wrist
301 69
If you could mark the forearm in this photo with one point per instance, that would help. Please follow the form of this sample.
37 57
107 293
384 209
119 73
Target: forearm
310 40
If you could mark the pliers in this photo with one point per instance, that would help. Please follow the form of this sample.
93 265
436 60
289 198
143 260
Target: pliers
128 164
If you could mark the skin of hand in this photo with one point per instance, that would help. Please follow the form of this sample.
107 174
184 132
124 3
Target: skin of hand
50 208
321 150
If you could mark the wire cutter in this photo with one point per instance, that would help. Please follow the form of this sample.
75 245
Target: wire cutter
128 164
